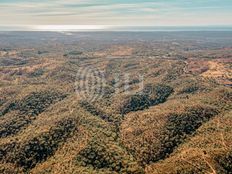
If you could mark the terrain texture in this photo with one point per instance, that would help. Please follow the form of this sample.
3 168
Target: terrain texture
179 122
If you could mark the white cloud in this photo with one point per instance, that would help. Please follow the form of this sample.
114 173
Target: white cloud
89 12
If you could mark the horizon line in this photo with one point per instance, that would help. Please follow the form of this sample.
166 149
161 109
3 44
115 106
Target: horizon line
95 28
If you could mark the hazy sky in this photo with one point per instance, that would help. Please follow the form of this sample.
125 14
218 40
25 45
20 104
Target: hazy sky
115 12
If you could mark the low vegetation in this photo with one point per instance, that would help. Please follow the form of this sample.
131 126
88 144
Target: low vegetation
163 107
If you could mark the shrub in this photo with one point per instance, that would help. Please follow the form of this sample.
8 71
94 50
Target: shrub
150 96
105 154
180 126
40 148
27 108
225 161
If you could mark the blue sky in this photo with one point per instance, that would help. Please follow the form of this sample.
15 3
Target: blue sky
115 12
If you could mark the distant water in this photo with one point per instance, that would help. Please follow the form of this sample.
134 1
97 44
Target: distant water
132 28
174 28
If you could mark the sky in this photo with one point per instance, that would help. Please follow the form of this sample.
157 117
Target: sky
100 14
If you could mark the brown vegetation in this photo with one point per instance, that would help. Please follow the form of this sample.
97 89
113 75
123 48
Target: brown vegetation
178 123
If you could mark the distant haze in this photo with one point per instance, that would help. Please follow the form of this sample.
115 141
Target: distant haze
76 28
